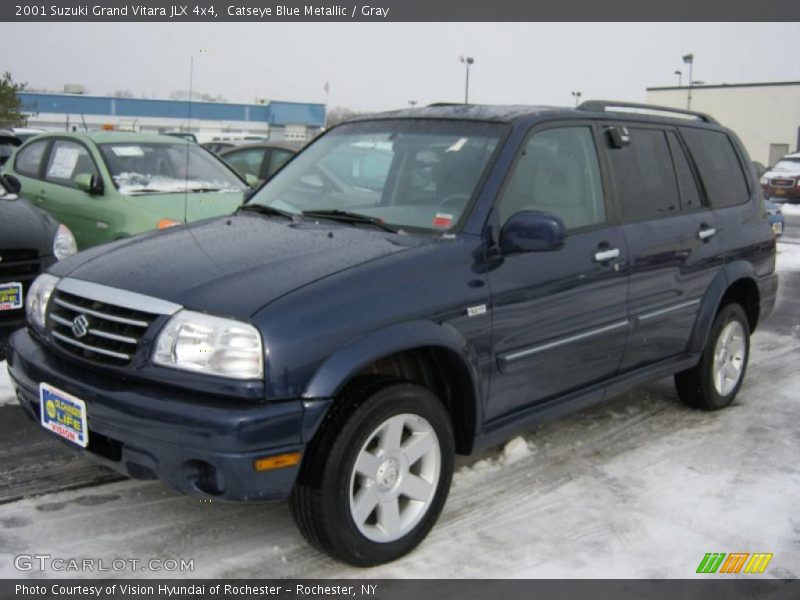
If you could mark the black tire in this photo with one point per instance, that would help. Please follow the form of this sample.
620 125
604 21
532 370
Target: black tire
696 386
320 500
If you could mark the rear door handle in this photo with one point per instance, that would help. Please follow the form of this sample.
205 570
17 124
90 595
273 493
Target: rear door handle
606 255
42 195
706 234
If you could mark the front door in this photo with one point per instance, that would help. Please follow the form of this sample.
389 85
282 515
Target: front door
559 317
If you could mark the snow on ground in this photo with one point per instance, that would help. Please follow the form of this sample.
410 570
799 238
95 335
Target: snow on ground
790 209
6 394
788 257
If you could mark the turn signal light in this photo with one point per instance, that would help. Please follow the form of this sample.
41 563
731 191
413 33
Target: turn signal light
164 223
279 461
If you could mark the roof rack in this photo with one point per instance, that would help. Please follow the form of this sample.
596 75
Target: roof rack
603 105
434 104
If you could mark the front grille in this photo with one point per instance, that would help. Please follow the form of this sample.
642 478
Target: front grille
21 266
782 182
110 334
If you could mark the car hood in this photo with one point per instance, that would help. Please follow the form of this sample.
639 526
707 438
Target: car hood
22 225
186 207
789 172
232 265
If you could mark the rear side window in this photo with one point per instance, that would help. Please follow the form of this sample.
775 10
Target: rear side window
67 161
720 169
644 176
30 158
690 196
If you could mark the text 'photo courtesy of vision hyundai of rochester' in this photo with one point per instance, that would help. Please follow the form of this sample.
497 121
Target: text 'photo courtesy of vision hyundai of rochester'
411 286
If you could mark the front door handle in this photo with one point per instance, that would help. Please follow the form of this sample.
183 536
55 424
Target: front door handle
706 233
606 255
42 195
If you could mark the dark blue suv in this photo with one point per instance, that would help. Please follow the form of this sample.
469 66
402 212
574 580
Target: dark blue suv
412 285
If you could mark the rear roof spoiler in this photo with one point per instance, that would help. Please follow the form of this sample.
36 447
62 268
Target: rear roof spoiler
604 105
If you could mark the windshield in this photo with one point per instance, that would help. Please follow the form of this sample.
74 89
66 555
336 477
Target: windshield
417 174
141 168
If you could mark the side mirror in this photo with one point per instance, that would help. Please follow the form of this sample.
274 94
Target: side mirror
13 184
91 184
252 180
530 231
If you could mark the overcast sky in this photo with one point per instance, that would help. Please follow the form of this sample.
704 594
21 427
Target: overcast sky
376 66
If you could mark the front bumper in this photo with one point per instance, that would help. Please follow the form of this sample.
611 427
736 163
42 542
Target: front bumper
198 445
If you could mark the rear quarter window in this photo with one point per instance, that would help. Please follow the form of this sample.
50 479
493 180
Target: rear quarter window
29 159
719 167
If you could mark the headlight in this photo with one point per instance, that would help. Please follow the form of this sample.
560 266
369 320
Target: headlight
38 297
64 243
198 342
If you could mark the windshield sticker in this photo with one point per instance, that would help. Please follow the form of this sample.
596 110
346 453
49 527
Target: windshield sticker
457 146
442 220
63 164
127 150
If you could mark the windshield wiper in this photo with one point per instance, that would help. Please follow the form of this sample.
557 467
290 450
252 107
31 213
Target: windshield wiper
263 209
349 217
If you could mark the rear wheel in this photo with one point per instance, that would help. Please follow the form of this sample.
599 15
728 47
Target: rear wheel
713 383
377 474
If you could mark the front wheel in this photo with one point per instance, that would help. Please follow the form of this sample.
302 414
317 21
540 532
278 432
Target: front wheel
713 383
377 474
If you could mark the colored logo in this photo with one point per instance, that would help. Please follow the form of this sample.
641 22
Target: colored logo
80 326
51 409
735 562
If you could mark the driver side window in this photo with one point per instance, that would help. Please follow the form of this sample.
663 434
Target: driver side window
557 173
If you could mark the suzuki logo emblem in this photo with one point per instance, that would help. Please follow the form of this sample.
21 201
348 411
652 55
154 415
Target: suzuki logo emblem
80 326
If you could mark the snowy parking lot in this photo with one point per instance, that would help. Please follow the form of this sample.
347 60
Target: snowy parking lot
638 487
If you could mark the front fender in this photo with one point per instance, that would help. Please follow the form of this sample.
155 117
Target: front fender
346 362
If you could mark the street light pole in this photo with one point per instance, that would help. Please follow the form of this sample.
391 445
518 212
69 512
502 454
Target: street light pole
577 96
689 60
467 61
680 77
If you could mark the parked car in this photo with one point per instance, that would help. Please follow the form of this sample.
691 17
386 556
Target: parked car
261 161
513 264
25 133
8 143
217 147
30 241
781 183
109 185
775 216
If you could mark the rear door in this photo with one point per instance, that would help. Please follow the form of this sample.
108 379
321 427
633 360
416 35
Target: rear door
27 167
559 318
670 234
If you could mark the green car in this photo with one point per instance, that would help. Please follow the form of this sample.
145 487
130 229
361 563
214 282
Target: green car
108 185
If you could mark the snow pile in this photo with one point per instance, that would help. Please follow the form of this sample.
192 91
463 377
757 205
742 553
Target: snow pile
6 393
514 451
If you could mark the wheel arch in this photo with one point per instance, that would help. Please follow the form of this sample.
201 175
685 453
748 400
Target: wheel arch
737 282
433 355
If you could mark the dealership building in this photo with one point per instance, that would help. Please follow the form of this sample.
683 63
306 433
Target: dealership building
274 120
766 116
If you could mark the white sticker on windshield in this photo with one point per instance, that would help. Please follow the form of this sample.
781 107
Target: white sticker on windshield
457 146
63 163
127 150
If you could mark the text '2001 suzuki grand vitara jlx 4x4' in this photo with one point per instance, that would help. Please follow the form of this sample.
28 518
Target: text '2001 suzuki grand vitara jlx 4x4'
412 285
